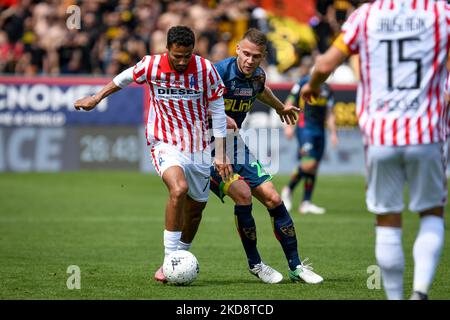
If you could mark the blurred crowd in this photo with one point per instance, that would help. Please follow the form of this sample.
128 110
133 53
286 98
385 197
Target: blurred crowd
38 38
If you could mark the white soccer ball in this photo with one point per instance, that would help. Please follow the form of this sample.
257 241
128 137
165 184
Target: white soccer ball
180 267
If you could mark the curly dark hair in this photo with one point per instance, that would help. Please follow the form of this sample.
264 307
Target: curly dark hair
181 36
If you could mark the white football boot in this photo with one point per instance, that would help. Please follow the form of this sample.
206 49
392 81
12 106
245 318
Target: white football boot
266 274
309 207
304 272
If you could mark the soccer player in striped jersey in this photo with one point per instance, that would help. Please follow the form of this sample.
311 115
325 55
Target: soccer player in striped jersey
403 49
182 88
245 82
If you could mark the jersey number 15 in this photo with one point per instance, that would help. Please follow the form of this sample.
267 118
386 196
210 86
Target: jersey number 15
400 43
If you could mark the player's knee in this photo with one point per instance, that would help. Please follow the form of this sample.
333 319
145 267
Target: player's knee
240 193
179 190
309 166
272 200
244 197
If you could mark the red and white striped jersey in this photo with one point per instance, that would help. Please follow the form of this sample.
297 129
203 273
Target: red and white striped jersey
179 101
403 47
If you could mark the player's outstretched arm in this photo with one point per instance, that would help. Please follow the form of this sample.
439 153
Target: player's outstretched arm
288 114
120 81
324 66
89 103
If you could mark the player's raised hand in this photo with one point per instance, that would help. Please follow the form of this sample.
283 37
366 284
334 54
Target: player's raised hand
86 103
309 94
288 114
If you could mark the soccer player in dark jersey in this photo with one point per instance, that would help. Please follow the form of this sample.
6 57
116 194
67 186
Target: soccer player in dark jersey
310 133
245 81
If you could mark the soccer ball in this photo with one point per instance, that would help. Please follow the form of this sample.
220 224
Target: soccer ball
180 267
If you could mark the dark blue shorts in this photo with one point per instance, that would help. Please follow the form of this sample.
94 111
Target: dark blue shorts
311 144
251 172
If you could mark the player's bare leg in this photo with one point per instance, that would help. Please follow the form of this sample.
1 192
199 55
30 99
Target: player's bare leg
175 181
427 250
192 216
284 230
389 253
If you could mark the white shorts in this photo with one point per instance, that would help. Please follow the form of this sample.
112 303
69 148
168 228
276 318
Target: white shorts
195 166
422 167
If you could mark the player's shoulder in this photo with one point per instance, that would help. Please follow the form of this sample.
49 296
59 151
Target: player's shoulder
225 66
359 12
259 72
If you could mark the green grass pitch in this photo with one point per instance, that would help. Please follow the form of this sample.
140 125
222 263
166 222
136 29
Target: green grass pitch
110 224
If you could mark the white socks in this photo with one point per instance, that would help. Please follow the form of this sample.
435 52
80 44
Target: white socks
184 246
389 255
171 240
427 250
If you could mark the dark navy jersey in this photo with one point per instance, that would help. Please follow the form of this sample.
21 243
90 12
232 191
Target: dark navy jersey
241 90
314 116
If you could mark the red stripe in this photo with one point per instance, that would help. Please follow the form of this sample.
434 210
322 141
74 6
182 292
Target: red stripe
435 67
180 126
407 121
216 74
383 125
194 131
183 113
188 125
372 129
176 115
426 4
394 132
381 4
353 38
205 99
155 163
211 79
391 6
162 121
169 119
439 106
419 130
414 4
158 118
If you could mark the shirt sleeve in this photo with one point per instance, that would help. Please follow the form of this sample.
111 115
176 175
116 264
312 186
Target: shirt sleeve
216 87
124 78
219 122
140 70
